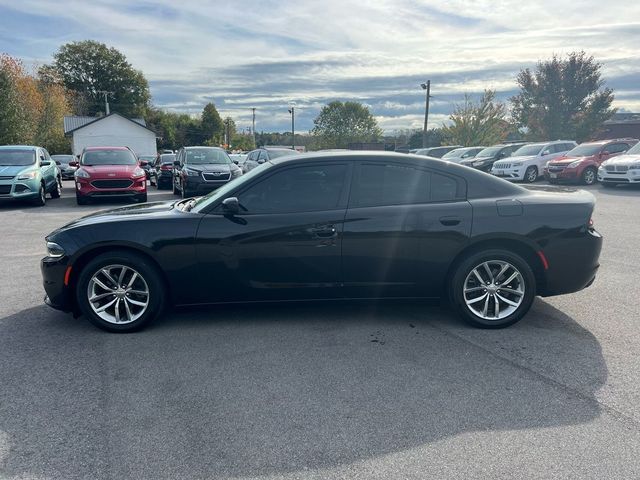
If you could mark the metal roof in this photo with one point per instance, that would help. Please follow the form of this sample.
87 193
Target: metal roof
74 122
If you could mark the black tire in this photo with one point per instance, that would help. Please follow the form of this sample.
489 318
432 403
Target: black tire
141 198
464 268
144 267
41 199
80 200
589 176
57 191
531 174
553 182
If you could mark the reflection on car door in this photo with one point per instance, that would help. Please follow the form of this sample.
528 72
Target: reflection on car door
285 243
403 226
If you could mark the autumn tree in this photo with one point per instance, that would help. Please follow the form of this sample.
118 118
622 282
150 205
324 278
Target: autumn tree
89 68
342 123
481 122
212 125
562 98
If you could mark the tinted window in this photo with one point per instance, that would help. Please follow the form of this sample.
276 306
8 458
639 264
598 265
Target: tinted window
394 184
299 189
167 158
281 153
617 147
263 155
201 156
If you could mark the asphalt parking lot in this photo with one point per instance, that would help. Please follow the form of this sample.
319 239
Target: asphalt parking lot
332 390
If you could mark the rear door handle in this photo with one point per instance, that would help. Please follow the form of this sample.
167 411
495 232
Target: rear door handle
450 221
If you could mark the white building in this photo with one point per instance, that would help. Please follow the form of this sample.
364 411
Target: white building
112 130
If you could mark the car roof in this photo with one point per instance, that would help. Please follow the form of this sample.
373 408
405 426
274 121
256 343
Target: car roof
89 149
610 140
18 147
202 146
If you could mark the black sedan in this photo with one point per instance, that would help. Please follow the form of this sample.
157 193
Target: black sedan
359 225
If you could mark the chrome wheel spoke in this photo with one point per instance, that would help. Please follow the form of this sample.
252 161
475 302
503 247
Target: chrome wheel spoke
507 301
511 278
478 299
480 279
488 270
486 306
473 289
511 291
109 294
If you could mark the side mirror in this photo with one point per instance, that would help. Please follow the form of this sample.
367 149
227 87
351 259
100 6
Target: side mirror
44 163
605 153
58 162
73 163
261 160
236 161
231 205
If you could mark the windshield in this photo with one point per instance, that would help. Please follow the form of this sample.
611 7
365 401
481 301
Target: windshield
459 152
147 158
280 153
634 150
17 157
62 158
222 192
108 157
528 150
489 152
201 156
167 158
584 150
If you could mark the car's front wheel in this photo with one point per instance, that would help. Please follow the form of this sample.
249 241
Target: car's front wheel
589 176
41 199
493 289
120 291
531 174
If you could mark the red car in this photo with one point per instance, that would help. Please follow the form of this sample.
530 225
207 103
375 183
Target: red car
110 172
580 165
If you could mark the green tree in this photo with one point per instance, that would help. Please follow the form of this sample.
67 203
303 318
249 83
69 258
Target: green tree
477 123
562 98
212 125
89 67
10 118
341 123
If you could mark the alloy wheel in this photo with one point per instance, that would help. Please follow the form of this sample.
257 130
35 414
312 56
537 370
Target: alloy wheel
532 174
493 290
589 177
118 294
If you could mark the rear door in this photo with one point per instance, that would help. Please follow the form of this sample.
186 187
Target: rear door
403 226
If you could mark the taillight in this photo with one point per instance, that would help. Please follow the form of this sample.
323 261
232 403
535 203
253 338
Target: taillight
165 167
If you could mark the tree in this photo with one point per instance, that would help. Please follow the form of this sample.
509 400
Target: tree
212 125
89 68
563 98
11 124
50 130
339 124
477 123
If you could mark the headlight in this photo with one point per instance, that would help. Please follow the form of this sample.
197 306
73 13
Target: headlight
236 173
81 173
54 250
516 164
191 173
28 175
574 164
139 172
477 163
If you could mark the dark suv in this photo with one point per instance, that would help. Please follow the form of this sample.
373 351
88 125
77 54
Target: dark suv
200 170
261 155
485 159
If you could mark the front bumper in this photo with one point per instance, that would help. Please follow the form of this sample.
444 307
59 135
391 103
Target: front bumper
513 174
562 174
57 294
198 186
84 188
19 189
620 178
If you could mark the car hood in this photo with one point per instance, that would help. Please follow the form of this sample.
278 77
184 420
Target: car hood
210 167
110 171
520 158
128 212
566 160
13 170
621 160
476 159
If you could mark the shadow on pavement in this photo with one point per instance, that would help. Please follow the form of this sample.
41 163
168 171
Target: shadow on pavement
254 390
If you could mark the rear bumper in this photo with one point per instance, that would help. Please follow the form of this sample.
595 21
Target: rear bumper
573 262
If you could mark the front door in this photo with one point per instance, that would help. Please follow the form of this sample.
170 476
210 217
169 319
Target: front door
285 243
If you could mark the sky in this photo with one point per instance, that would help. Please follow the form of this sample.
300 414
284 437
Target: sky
267 54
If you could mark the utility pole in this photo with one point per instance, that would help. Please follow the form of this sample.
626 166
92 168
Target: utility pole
427 87
253 125
293 128
106 99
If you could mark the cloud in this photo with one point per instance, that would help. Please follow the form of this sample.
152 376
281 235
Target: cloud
265 54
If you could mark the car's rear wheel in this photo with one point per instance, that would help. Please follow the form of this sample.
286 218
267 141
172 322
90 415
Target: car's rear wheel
589 176
57 191
120 291
41 199
531 174
492 289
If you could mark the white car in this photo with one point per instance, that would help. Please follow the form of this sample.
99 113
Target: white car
460 154
527 163
621 170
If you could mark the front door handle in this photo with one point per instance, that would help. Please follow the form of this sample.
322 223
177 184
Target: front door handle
326 231
450 221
